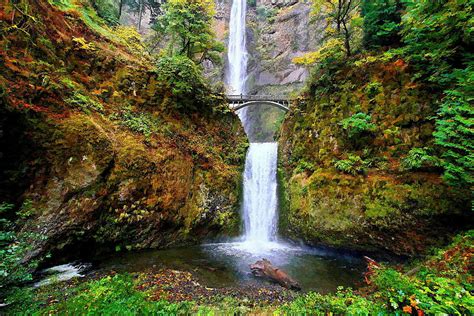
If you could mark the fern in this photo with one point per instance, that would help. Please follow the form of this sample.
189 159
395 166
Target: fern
455 130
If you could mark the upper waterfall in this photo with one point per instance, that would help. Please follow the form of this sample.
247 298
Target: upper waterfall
237 50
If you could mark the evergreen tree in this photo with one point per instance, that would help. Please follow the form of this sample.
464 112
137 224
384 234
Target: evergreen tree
381 22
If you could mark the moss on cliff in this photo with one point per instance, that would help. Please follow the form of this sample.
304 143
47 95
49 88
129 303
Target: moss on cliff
344 147
113 162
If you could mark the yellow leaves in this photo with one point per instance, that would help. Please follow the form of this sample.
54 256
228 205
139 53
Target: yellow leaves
332 48
81 43
207 5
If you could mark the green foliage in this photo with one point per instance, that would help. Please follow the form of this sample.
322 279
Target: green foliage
26 210
429 293
358 125
438 37
381 22
373 89
107 10
352 165
419 158
455 130
266 13
185 80
344 302
252 3
142 123
303 166
13 248
84 103
110 296
187 25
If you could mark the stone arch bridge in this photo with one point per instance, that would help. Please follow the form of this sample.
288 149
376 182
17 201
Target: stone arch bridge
237 102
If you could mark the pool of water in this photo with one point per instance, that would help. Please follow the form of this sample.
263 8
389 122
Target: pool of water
227 264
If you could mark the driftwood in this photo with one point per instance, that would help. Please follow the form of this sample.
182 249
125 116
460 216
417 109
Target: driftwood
263 268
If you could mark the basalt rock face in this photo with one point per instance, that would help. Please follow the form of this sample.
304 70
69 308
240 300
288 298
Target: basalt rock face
92 143
279 31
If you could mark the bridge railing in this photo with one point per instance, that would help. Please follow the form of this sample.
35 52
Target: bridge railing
243 97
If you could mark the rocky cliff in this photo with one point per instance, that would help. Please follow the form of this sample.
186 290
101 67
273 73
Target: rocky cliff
354 163
279 30
93 152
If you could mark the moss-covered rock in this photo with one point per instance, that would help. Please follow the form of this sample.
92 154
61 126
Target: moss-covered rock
341 150
108 162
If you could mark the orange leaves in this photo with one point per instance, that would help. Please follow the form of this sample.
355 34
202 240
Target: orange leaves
407 309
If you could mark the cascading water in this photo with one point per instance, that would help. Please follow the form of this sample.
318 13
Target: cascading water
237 53
260 188
237 50
260 193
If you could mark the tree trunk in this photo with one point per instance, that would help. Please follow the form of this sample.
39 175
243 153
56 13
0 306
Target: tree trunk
120 9
347 43
140 14
263 268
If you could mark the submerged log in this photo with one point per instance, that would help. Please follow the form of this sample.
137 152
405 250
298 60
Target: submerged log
264 268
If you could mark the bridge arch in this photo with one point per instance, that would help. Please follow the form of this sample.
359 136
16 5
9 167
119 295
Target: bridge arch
240 105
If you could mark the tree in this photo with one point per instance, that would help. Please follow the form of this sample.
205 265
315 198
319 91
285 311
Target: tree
341 14
139 7
187 26
381 22
438 37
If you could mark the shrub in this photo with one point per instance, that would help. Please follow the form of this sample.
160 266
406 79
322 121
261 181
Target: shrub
454 130
107 10
303 166
83 103
381 22
352 165
372 89
419 158
437 37
13 248
358 125
115 296
185 80
344 302
138 122
428 293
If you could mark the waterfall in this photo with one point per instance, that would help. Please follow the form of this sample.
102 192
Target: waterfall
260 193
259 210
237 53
